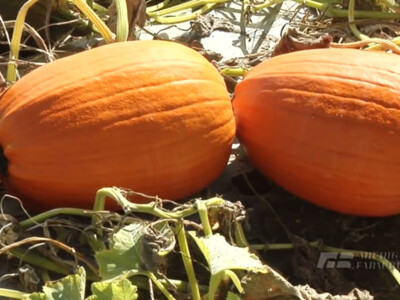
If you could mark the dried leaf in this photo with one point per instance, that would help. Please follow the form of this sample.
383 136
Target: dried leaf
268 286
309 293
204 25
260 280
294 40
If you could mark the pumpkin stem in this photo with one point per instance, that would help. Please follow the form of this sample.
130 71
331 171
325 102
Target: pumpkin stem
3 163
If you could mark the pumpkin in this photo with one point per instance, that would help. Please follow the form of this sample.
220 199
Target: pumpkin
151 116
325 125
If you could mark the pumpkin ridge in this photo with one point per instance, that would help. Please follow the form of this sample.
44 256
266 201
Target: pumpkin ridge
344 98
106 124
294 58
101 61
168 142
337 174
43 82
183 166
338 64
93 101
145 150
164 111
372 112
289 139
315 169
108 70
276 80
312 76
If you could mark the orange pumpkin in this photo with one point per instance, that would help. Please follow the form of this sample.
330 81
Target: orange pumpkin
152 116
325 124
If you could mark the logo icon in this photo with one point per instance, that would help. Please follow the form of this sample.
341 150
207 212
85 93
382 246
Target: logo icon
331 260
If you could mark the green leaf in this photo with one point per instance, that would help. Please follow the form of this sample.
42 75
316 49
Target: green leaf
69 287
36 296
119 289
125 252
259 282
233 296
138 246
220 255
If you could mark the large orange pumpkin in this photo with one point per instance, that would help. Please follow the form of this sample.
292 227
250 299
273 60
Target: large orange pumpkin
152 116
325 124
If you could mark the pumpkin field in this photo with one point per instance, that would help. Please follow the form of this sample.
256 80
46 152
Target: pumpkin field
200 149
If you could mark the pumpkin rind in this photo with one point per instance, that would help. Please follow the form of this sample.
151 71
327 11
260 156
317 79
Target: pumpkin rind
152 116
325 125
